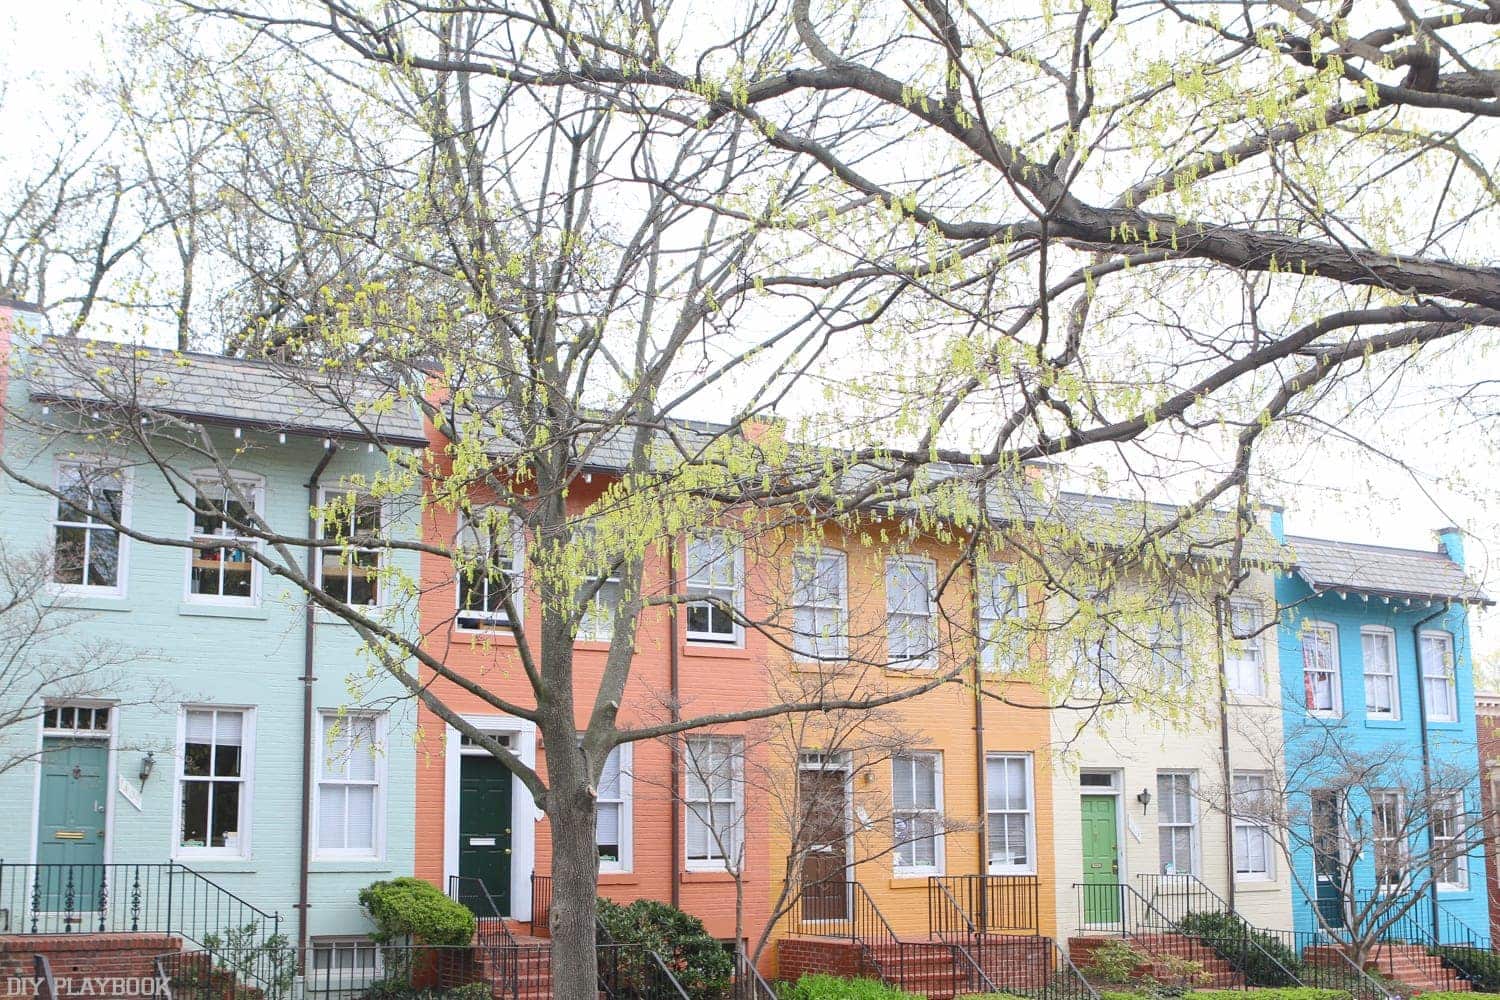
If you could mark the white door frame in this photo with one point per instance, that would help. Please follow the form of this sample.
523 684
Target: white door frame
523 811
1114 790
109 739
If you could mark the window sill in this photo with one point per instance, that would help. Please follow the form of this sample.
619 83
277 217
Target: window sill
253 612
63 600
706 875
711 650
619 878
354 866
217 865
501 636
912 880
1257 885
915 670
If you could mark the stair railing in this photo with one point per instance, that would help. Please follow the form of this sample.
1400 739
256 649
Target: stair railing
945 919
474 894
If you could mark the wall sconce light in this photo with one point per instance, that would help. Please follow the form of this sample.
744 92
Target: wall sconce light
148 764
1144 798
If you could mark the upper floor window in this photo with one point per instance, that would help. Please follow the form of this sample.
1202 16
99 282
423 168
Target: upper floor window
491 561
1168 646
714 570
1002 605
224 573
1320 668
917 805
1244 658
351 786
350 571
87 553
1438 688
820 599
598 621
715 813
213 812
1382 689
911 620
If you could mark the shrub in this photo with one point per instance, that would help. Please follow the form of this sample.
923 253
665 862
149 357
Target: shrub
824 987
391 989
1233 940
1114 962
700 963
409 907
1482 966
1278 993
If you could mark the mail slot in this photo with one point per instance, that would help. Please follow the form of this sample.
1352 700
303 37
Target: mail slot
481 841
69 835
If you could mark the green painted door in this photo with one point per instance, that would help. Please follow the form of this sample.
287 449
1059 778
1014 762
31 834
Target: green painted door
1101 860
70 828
484 823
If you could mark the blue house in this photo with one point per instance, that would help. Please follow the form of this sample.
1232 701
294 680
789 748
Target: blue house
1379 779
199 753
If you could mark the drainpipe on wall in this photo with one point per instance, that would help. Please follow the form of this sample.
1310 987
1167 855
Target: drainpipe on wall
1416 645
308 626
674 670
1220 621
979 761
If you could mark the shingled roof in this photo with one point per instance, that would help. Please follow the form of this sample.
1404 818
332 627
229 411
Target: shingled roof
1376 569
209 388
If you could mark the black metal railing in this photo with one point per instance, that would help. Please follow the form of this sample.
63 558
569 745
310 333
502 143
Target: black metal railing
632 971
1409 922
994 904
490 930
541 901
158 898
749 984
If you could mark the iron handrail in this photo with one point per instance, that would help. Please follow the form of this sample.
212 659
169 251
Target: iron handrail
745 972
456 884
976 940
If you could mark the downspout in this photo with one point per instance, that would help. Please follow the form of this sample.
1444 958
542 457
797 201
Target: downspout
674 698
1416 645
1220 620
979 761
308 627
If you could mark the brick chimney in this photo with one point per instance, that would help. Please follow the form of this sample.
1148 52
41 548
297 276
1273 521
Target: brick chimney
1451 543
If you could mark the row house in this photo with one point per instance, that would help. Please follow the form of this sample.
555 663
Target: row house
1113 740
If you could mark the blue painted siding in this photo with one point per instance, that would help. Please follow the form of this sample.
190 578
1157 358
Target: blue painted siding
1452 743
229 657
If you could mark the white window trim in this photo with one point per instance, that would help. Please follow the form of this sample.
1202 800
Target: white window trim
737 808
332 980
1449 675
1460 811
737 639
247 785
1194 824
256 486
924 569
1238 822
122 566
939 847
377 852
382 553
1338 670
595 626
1030 867
626 863
840 639
1394 715
493 622
989 578
1403 853
1254 647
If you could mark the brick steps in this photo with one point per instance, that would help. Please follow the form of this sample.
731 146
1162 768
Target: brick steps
79 961
1217 973
529 968
1410 964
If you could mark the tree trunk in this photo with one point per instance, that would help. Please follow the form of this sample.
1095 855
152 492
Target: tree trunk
575 870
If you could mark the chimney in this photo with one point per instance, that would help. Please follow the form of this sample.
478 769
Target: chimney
755 429
15 317
1451 543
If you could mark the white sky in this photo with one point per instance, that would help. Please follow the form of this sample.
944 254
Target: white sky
1333 492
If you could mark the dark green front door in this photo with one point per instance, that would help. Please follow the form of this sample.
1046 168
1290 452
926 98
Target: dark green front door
1101 860
484 823
70 826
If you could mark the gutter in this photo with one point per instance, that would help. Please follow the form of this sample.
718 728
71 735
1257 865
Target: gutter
982 775
674 683
1416 645
1220 621
308 635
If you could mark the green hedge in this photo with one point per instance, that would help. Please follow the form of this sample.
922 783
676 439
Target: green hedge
1277 993
700 962
1233 940
1482 965
823 987
409 907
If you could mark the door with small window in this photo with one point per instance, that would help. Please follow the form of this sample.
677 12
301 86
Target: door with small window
823 796
1328 857
73 810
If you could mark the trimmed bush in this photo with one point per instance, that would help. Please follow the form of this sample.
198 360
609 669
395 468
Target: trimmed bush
408 907
700 963
1233 940
1482 965
1113 962
1278 993
824 987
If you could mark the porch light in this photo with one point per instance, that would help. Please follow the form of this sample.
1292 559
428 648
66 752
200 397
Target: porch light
1144 798
148 764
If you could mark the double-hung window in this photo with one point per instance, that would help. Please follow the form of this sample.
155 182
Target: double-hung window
491 560
598 621
911 620
917 805
715 814
1009 814
820 601
222 571
213 807
1168 654
1438 689
714 571
351 780
612 820
87 553
1320 668
1387 821
1244 663
1177 822
1002 610
1450 849
1251 825
350 570
1382 690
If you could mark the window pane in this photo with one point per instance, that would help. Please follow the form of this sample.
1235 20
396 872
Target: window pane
226 814
103 558
195 795
68 555
331 816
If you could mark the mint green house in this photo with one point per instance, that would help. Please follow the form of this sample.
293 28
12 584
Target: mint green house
196 738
